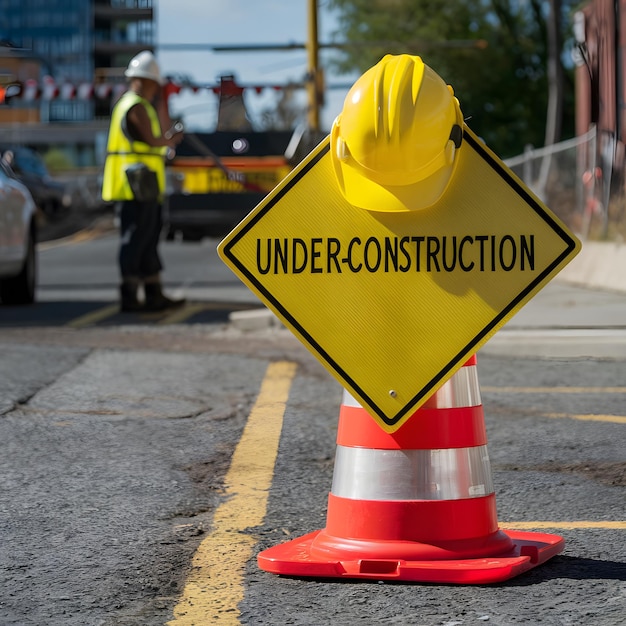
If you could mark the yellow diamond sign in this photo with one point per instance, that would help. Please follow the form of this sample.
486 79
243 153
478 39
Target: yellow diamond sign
394 303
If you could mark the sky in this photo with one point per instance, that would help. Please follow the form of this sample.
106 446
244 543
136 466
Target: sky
241 22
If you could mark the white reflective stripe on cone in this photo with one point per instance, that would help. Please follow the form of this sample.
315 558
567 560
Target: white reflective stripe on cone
462 390
452 474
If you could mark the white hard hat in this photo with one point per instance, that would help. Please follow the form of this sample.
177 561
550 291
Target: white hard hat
144 65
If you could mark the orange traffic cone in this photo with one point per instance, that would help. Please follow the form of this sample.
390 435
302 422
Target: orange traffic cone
417 504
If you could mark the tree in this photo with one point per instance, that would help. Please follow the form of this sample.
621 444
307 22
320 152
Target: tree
286 113
493 52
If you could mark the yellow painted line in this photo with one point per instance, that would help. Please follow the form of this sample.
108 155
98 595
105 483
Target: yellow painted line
554 389
182 314
615 419
214 587
581 524
95 316
82 235
189 310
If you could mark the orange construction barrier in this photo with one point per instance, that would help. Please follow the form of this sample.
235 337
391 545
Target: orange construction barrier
417 504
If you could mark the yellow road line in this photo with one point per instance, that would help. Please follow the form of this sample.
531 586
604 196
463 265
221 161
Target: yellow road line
613 525
78 237
554 389
615 419
189 310
182 314
214 587
95 316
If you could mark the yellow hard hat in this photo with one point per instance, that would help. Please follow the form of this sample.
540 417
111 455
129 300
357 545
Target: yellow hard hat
394 145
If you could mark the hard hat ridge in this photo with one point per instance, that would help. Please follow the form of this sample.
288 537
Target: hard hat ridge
397 75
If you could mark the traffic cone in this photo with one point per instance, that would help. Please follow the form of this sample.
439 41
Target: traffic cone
417 504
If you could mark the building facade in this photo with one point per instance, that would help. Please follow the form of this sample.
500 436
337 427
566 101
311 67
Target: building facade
53 44
600 31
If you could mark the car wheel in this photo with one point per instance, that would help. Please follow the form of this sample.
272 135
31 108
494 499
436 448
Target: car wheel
50 207
21 288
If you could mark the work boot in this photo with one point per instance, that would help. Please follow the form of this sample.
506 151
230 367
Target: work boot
129 302
156 300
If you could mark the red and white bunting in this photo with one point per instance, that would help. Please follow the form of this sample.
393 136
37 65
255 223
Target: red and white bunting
49 89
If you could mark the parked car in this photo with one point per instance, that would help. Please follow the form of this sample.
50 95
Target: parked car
51 196
18 254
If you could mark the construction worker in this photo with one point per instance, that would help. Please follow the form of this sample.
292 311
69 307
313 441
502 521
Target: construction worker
394 147
134 178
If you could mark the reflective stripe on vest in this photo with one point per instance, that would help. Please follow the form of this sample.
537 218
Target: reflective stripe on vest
122 152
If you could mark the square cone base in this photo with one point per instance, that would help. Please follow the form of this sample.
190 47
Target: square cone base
295 558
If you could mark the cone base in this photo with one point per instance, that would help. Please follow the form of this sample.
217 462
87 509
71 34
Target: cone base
295 558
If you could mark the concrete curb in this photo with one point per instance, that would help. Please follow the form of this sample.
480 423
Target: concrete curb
255 319
595 343
599 265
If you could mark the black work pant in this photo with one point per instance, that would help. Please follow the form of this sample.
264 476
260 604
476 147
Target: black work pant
140 231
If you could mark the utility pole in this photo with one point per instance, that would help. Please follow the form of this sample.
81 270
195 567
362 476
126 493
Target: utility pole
314 78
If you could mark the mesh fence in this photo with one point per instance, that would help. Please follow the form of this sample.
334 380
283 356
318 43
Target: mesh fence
579 186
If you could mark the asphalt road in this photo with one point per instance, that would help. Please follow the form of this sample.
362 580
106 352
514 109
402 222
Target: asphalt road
144 467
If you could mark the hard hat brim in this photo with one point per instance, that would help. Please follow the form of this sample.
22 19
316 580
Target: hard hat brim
130 74
365 193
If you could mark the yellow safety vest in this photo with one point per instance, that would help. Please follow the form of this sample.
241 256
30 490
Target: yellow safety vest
122 151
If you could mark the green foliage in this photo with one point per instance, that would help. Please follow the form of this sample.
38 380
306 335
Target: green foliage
493 53
285 114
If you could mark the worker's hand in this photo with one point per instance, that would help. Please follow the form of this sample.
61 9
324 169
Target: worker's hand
174 135
175 139
172 139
